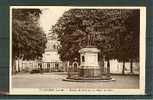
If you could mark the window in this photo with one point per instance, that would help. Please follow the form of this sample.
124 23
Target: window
83 59
48 65
54 46
56 65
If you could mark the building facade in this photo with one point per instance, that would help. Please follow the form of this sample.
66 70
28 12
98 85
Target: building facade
50 61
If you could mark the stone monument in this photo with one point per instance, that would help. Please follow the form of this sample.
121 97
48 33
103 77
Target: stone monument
89 68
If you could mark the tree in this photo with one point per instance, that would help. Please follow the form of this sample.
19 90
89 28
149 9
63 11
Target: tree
107 27
129 41
28 39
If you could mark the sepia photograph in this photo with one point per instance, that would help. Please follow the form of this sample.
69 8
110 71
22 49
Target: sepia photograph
66 50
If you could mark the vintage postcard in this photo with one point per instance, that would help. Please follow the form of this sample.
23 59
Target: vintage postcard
72 50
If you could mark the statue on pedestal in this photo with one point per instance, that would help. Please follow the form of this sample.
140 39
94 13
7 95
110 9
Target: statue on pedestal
91 40
89 68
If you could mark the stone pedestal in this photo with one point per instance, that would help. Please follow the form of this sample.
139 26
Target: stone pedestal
89 67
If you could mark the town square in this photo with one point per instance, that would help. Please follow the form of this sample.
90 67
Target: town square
66 47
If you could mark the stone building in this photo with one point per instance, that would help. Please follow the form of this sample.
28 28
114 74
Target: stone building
50 61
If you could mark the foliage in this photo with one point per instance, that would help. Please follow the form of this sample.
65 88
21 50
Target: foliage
28 39
110 29
129 40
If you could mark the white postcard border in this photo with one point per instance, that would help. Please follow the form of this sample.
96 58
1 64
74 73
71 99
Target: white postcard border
50 91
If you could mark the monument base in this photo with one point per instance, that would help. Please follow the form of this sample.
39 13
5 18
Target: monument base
89 74
89 69
82 79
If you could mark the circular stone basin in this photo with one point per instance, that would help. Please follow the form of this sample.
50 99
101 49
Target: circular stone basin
90 79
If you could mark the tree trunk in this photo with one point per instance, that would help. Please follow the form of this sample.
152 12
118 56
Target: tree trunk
13 65
41 68
18 65
101 64
108 67
123 68
131 66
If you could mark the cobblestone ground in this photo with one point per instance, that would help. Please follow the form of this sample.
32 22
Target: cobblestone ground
55 80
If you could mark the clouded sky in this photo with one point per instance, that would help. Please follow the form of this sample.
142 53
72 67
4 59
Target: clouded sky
50 16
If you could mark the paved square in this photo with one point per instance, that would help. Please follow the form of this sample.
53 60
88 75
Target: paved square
55 80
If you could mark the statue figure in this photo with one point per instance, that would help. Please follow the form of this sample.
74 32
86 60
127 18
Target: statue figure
91 40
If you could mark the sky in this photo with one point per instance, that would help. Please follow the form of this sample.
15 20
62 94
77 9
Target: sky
49 17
